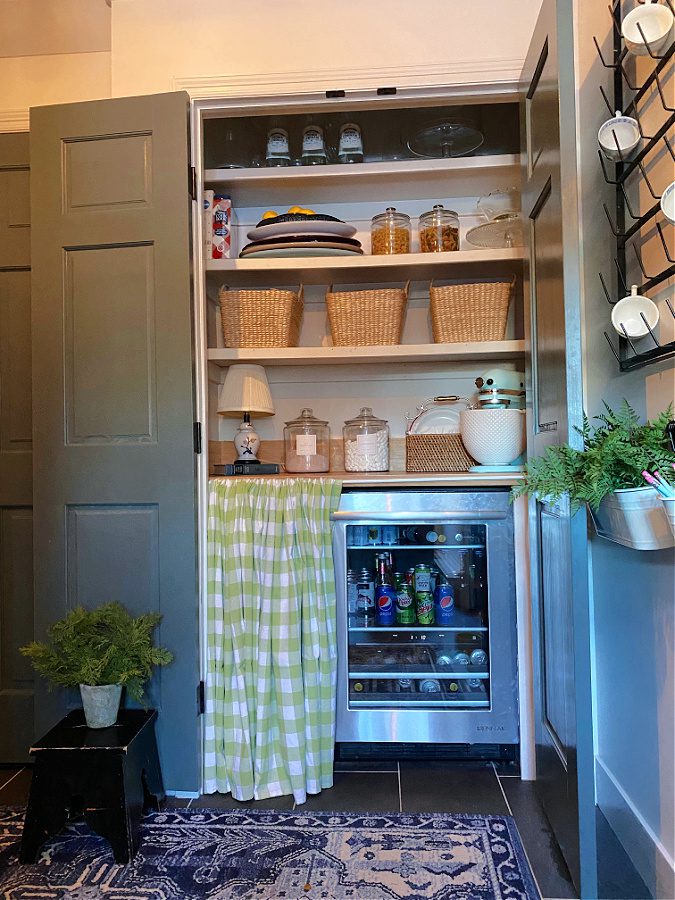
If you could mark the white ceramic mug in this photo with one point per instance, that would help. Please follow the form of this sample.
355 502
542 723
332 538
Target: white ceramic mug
668 203
619 137
655 20
627 311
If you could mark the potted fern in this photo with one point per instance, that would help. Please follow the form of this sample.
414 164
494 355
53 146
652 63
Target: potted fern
100 650
607 475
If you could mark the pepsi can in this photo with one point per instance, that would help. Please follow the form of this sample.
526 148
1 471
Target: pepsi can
444 604
385 605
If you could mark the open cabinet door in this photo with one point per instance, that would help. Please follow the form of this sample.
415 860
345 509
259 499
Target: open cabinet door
16 473
114 482
558 540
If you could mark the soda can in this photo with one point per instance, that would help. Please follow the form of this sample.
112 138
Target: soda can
444 604
358 535
444 661
478 658
410 576
422 579
435 575
385 601
405 684
474 683
389 534
365 601
352 592
425 607
430 686
405 607
460 660
373 534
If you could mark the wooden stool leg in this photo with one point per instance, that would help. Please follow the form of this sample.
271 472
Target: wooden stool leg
46 813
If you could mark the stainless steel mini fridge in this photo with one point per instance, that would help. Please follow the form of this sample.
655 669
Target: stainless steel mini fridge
452 680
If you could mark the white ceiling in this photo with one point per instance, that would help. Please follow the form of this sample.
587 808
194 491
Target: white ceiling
38 27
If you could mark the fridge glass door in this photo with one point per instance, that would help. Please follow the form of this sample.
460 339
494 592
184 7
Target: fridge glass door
410 647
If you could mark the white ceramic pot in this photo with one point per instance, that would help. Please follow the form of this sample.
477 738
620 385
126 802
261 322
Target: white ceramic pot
668 203
494 437
634 517
101 703
655 20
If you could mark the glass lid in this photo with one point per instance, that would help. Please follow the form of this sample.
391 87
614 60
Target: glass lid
366 417
307 417
442 140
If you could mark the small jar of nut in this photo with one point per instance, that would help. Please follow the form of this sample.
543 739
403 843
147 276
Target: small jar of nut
390 232
439 230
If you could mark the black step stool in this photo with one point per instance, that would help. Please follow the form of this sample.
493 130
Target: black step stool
108 776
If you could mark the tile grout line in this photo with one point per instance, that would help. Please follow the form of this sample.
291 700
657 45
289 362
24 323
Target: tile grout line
508 806
10 780
400 796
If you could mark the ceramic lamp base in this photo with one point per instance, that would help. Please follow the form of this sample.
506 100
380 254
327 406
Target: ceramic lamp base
504 469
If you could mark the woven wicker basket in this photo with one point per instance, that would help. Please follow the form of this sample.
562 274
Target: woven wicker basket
436 453
365 318
470 312
262 318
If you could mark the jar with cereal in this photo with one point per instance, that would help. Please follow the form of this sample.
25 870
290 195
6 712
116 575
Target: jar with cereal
439 230
366 443
390 232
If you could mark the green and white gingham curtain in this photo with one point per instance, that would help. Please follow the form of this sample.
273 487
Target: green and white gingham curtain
271 649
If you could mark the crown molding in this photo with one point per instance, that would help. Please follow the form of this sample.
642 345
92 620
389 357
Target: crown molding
503 72
14 120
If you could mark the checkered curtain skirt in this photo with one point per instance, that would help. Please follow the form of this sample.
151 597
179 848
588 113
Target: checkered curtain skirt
271 649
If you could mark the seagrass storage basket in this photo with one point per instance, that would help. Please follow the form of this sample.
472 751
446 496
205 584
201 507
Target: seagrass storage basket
470 311
366 318
260 318
436 453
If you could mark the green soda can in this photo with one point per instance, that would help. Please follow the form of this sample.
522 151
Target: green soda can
405 606
425 607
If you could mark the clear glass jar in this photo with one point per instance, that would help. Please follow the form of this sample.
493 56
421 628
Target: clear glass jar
439 230
277 153
350 145
366 443
313 146
307 444
390 232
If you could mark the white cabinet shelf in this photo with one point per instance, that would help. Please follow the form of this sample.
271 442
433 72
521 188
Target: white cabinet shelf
367 268
400 353
406 179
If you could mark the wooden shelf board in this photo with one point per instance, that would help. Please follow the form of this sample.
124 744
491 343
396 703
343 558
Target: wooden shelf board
420 479
394 169
354 269
400 353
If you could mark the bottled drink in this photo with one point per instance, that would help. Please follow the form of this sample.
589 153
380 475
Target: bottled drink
478 658
460 661
365 599
421 534
352 596
430 686
278 153
313 146
405 684
350 145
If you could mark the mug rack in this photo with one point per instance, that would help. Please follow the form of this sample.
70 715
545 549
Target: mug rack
628 221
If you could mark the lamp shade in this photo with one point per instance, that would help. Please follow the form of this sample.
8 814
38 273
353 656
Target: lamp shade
245 389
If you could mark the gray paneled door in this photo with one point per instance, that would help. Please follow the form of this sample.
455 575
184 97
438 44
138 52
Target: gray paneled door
114 470
558 538
16 491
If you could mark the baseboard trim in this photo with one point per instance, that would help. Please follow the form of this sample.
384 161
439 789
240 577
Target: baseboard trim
651 859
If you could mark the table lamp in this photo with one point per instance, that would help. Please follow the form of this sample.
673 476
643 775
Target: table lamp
245 391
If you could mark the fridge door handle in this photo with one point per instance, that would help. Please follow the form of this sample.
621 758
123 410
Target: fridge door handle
447 517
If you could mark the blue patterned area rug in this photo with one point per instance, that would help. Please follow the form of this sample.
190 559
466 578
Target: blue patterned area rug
187 854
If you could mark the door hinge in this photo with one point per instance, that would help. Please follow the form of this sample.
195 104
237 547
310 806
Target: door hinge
192 182
201 699
197 436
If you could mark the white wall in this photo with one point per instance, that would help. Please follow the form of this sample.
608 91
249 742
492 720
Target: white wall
84 50
51 51
159 43
633 592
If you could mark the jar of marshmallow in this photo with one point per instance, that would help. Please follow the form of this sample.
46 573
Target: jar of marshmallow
366 443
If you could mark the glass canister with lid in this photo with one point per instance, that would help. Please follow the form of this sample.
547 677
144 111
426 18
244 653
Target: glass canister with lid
439 230
390 232
307 444
366 443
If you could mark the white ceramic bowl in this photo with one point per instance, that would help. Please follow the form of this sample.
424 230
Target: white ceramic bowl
668 203
494 437
627 313
655 20
621 130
